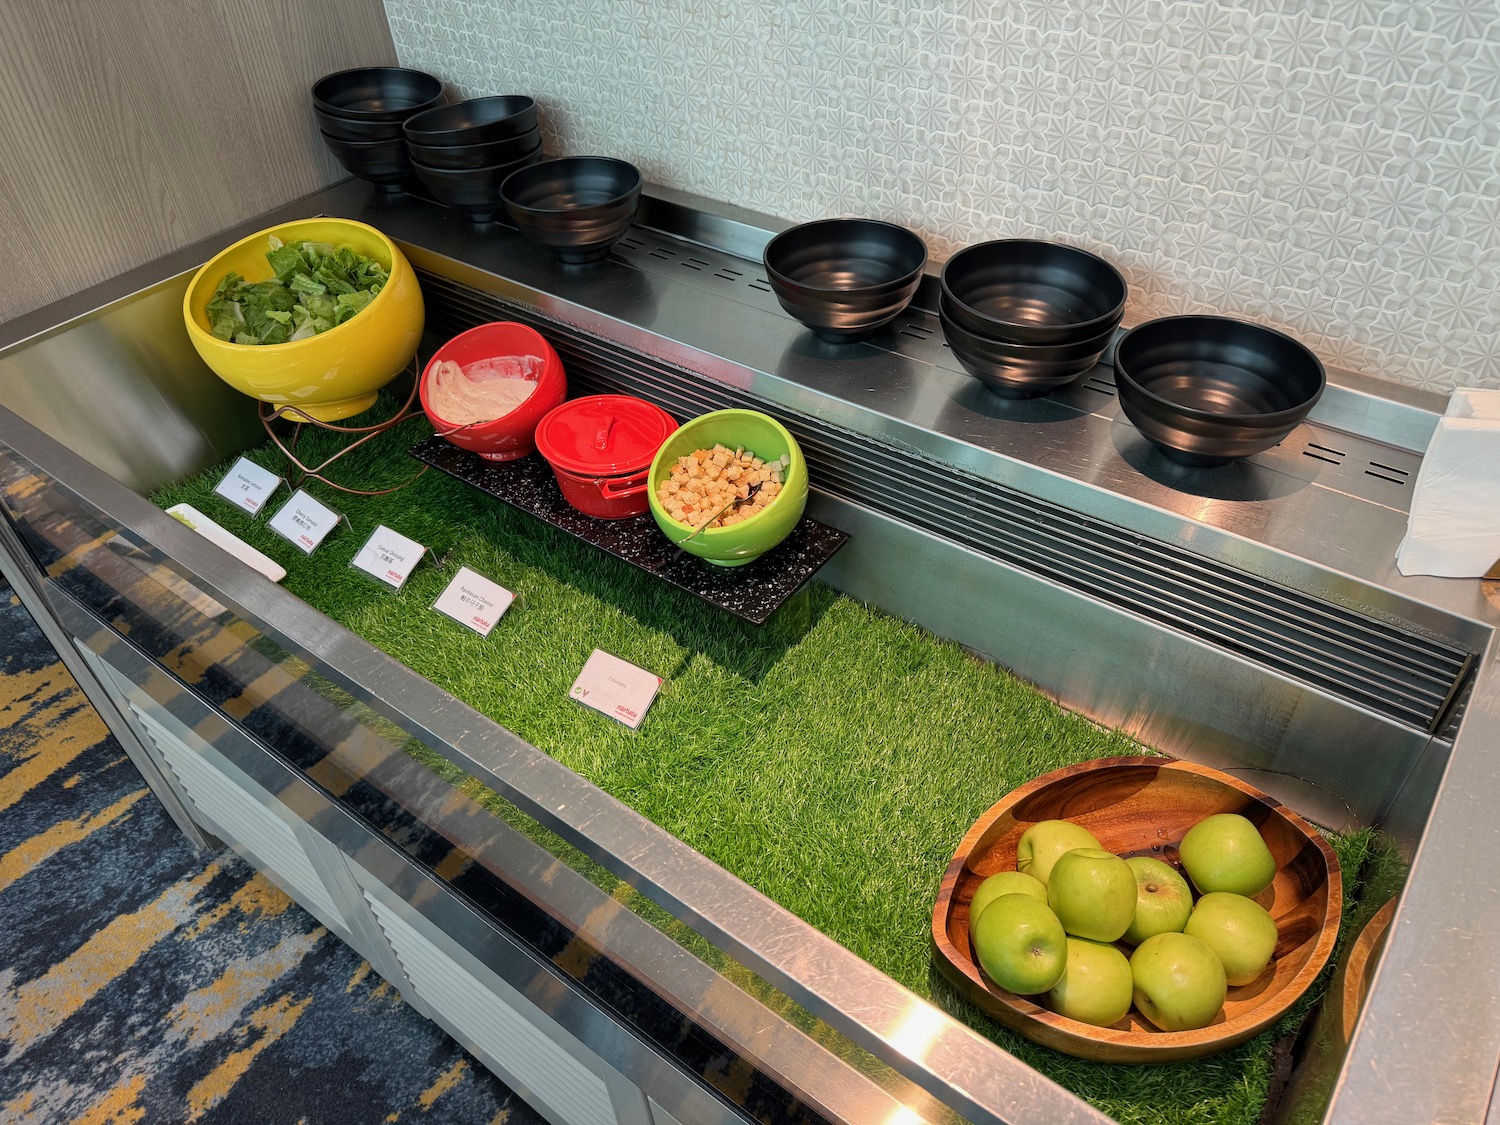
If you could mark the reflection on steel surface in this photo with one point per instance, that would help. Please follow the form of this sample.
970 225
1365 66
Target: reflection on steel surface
309 727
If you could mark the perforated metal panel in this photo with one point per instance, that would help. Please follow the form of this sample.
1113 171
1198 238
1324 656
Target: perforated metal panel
239 818
527 1057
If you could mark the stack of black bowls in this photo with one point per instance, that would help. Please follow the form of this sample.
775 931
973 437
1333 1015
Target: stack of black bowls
463 152
360 113
1027 317
575 206
845 278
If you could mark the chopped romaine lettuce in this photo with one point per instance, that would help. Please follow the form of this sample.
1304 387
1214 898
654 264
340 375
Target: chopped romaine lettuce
285 260
317 286
305 283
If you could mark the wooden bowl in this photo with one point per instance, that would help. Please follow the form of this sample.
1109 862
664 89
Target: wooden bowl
1351 988
1144 806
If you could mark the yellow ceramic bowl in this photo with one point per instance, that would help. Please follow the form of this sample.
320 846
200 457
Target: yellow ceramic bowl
336 373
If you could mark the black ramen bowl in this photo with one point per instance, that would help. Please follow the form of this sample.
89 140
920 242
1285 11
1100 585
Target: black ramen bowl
377 93
1022 370
475 156
578 206
475 192
1032 292
845 278
472 122
978 343
346 129
382 163
1207 390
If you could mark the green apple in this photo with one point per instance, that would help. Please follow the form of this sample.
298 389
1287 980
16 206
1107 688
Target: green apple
1240 930
1003 883
1092 892
1179 982
1020 944
1224 852
1163 900
1096 986
1045 841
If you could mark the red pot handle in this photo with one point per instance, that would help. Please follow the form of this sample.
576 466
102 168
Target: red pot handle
610 491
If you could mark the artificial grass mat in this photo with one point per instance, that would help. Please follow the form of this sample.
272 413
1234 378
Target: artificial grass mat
832 759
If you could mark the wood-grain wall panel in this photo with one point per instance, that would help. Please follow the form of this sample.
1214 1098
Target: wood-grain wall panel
128 130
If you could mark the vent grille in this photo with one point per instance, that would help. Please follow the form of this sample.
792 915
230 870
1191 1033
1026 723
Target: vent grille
240 819
1377 665
530 1060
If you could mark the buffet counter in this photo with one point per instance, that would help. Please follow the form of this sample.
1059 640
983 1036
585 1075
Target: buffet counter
1247 617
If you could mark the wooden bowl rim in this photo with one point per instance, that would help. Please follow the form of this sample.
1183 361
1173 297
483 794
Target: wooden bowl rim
1360 963
1142 1046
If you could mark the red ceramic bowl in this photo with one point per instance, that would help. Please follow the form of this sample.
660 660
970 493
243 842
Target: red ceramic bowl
511 435
600 449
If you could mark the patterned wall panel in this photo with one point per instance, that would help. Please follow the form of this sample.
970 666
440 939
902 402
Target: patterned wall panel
1330 167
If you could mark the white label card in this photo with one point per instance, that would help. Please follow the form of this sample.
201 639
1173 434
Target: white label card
304 520
472 599
617 688
389 556
248 486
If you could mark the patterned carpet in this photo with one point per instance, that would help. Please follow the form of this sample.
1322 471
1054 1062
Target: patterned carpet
142 983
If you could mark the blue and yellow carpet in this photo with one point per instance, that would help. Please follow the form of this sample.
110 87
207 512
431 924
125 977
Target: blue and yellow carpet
141 982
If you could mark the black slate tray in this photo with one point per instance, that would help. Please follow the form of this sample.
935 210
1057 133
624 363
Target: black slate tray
752 592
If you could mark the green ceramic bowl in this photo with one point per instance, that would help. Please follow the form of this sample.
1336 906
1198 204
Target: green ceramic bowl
745 541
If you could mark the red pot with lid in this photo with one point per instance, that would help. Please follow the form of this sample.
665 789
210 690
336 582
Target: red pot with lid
600 449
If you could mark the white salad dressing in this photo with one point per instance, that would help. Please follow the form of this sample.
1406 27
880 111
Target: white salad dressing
483 390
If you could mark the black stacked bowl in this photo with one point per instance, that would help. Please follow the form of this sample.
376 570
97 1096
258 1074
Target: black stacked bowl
473 121
1026 317
484 155
845 278
1022 371
463 152
383 163
377 93
576 206
360 114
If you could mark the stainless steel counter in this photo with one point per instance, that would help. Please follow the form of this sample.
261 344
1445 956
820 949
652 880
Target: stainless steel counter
1250 616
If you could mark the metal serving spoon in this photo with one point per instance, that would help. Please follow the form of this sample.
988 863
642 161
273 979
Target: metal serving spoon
735 503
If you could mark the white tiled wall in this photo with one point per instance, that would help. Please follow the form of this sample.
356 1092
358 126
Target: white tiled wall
1331 167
